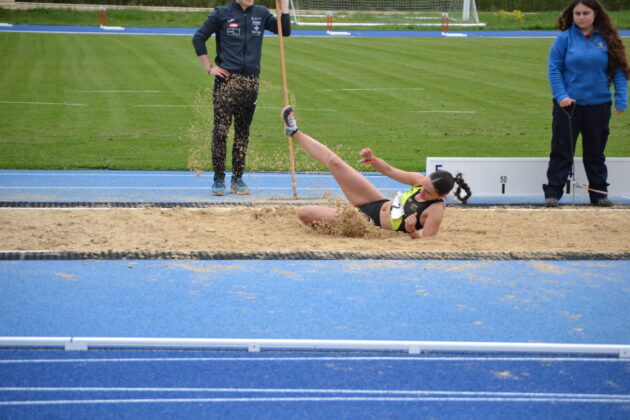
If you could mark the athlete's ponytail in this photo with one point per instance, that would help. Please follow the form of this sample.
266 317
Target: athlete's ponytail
461 185
443 182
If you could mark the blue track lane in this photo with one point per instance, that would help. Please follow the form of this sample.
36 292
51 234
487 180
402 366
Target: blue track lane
186 187
189 384
497 301
164 186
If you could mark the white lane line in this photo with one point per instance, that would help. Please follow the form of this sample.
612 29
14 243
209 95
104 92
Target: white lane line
412 392
317 399
319 359
168 188
172 106
40 103
163 174
73 187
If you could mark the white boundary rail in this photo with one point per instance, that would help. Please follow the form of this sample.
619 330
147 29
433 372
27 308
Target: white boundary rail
257 345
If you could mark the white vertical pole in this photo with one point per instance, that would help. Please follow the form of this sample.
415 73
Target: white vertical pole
466 11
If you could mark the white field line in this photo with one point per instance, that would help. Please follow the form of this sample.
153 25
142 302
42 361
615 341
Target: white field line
40 103
439 111
299 108
365 89
171 106
119 91
210 106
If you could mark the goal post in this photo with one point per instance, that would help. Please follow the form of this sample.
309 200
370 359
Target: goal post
412 13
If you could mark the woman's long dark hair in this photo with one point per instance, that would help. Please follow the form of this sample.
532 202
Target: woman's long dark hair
443 182
616 50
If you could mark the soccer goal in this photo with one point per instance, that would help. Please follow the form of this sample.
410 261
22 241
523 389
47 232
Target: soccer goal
438 13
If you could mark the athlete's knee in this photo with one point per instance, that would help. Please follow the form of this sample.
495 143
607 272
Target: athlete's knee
334 161
307 215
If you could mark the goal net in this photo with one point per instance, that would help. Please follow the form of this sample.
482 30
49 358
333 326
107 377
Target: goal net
384 12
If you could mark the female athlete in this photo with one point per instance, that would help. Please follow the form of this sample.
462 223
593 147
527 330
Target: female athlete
418 212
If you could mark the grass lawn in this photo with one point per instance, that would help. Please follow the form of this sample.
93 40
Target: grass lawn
500 20
143 102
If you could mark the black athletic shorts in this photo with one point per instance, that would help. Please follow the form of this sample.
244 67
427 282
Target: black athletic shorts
373 211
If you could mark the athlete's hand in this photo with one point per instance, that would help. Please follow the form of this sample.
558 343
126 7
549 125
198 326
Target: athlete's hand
618 112
410 222
218 71
566 102
367 156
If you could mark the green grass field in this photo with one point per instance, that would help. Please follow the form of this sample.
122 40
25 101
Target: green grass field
499 20
143 102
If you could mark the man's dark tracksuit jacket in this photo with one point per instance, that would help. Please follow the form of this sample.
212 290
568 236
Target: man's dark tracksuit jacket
239 36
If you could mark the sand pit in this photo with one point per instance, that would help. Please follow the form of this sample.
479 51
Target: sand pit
277 229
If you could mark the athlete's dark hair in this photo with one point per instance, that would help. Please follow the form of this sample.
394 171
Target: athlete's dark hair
616 49
443 182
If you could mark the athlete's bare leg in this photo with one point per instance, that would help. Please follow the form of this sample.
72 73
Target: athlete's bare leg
357 189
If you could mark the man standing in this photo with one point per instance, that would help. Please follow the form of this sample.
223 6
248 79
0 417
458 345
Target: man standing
239 28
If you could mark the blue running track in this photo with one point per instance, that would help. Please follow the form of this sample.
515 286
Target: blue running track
210 385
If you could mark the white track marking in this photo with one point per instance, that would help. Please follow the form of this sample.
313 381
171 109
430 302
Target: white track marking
210 106
365 89
323 391
172 106
40 103
319 399
119 91
167 188
111 174
443 112
319 359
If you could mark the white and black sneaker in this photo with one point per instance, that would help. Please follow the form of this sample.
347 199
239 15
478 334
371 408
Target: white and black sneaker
290 124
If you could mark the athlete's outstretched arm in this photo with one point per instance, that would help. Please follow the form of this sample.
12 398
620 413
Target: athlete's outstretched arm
404 177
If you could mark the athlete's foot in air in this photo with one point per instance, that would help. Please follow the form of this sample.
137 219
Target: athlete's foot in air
290 124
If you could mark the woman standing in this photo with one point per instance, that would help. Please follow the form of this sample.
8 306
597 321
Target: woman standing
584 61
